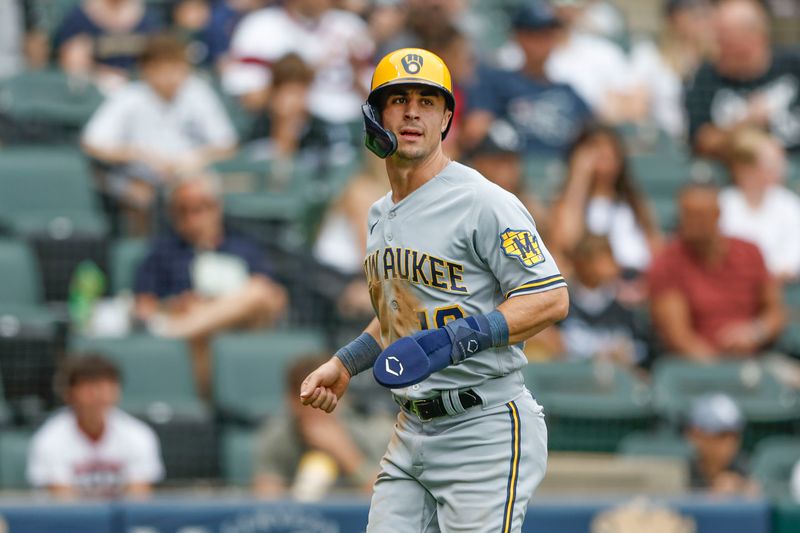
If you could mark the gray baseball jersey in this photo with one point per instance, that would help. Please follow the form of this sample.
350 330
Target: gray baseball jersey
459 245
462 245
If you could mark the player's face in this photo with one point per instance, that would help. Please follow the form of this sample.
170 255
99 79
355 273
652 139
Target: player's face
418 116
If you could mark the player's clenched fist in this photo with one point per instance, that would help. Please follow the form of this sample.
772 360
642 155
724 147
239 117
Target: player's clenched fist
325 385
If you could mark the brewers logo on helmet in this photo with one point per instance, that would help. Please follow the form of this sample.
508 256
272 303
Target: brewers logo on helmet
405 66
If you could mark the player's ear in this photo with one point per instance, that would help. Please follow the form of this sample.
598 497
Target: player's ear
448 115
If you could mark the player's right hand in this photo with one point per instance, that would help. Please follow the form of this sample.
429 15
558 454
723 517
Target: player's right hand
325 385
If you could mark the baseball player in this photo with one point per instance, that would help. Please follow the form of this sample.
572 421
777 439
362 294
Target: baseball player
462 257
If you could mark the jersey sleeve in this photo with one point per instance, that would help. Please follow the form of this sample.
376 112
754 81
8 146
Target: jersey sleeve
506 240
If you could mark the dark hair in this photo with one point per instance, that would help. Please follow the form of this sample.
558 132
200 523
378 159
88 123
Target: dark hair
80 368
589 246
439 41
299 370
291 68
163 47
625 186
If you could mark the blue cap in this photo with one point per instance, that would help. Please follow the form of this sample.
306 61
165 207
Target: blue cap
716 413
535 15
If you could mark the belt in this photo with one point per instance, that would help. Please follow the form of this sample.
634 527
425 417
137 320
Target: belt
429 408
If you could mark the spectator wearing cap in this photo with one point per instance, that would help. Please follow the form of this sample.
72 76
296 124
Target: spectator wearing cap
199 278
758 208
714 429
91 448
665 66
748 82
147 134
548 115
595 67
711 296
103 38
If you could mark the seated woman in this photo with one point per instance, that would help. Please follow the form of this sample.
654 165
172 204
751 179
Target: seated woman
600 197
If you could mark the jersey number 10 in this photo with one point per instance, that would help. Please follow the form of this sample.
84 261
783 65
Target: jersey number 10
441 316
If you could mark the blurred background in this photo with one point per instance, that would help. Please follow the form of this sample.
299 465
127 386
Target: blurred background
183 196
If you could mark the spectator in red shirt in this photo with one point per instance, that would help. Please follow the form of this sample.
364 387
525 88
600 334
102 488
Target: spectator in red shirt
711 294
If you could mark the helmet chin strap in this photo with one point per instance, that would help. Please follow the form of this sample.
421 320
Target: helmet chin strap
378 139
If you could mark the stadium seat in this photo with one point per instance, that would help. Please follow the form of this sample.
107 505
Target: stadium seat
30 334
237 457
249 370
125 257
772 464
544 176
49 190
20 279
589 407
158 383
657 444
189 448
14 459
768 406
46 106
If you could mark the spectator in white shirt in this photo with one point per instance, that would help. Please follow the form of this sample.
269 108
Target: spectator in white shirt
152 131
335 43
596 68
91 448
758 208
665 66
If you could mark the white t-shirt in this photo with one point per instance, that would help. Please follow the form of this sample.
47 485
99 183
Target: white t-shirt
772 226
664 87
337 245
795 482
135 116
329 45
593 66
127 452
617 222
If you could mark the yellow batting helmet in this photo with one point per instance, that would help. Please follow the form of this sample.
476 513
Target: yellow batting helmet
415 66
405 66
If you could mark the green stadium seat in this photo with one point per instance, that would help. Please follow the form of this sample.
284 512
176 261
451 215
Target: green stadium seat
158 382
589 407
49 190
544 176
14 459
49 97
125 257
658 444
20 280
791 296
768 406
660 174
249 370
772 464
237 457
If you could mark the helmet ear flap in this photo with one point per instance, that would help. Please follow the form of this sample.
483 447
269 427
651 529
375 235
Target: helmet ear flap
378 139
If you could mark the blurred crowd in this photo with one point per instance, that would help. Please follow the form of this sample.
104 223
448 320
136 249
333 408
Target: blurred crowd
554 101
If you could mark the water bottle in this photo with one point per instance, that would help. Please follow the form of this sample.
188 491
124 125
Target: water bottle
88 283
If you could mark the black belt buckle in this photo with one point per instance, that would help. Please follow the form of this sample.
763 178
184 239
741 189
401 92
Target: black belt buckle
423 408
